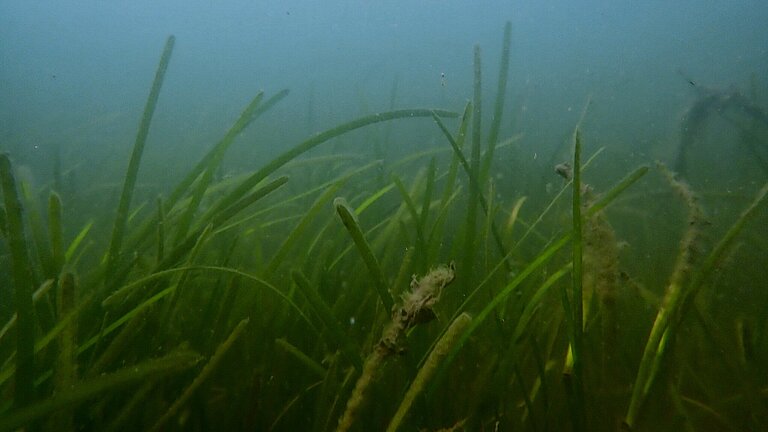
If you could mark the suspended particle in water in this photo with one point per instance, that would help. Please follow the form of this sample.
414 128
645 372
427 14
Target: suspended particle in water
442 79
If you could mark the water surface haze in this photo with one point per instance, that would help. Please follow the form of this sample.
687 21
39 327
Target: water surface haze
87 64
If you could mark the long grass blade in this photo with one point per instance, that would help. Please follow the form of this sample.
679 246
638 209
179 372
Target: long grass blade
349 219
336 333
209 367
302 226
425 373
470 222
69 254
246 117
22 283
116 242
219 148
304 359
216 220
540 260
65 374
55 232
421 244
151 369
40 247
577 303
475 184
498 108
427 199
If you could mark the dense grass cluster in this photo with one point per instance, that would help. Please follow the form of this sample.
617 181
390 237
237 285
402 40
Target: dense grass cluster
327 292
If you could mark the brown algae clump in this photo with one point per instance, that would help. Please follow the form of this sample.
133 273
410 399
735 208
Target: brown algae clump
417 304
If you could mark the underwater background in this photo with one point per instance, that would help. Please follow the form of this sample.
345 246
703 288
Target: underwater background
395 215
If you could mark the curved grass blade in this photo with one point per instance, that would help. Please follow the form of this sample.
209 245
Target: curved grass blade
373 198
308 192
127 289
316 140
76 242
149 224
513 216
218 219
303 224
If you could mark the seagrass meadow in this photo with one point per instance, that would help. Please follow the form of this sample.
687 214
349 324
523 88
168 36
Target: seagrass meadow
338 285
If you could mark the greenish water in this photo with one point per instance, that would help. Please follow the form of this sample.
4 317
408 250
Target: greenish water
291 293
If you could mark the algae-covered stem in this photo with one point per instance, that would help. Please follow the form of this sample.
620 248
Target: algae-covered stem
673 298
415 308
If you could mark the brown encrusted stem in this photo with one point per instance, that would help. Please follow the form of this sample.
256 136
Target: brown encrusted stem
372 363
673 298
416 308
